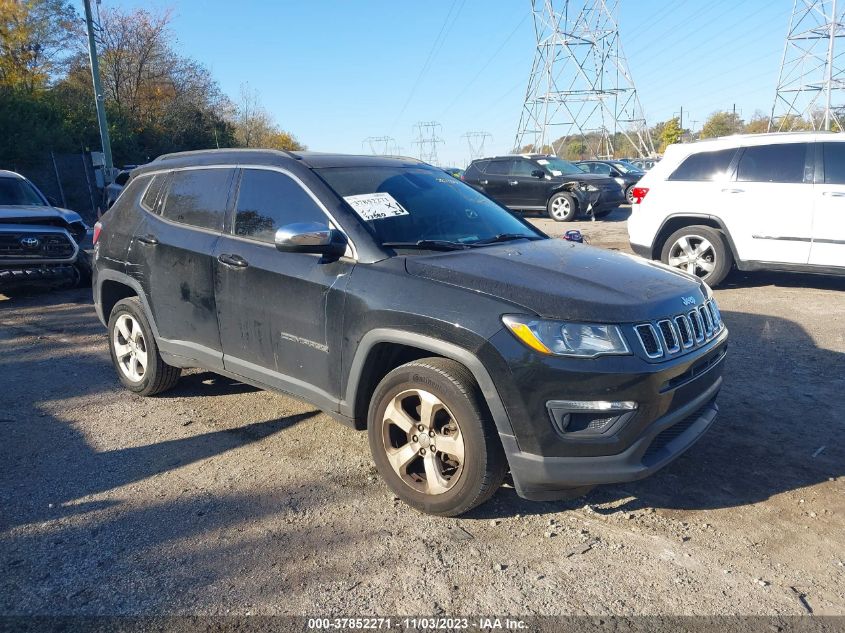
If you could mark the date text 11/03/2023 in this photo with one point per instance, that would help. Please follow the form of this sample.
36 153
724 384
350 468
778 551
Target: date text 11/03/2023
418 623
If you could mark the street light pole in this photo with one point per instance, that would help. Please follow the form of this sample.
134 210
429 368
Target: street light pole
98 96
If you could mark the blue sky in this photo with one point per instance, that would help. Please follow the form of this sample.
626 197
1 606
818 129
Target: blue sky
335 72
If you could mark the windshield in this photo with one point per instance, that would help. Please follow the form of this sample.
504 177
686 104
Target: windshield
626 168
412 204
558 166
16 192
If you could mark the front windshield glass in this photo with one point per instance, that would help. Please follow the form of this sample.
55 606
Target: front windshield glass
15 192
411 204
558 166
626 168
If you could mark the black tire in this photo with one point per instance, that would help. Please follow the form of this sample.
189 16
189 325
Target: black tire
718 256
562 207
484 463
603 213
629 193
83 270
158 376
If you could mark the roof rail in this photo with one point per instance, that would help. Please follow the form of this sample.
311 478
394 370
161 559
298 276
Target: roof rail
199 152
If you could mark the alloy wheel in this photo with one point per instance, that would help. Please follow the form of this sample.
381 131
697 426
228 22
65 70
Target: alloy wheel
561 208
693 254
130 348
423 442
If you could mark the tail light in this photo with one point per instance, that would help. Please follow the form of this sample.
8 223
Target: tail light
639 193
97 228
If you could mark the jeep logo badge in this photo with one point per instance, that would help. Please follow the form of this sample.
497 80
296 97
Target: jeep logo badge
688 301
30 242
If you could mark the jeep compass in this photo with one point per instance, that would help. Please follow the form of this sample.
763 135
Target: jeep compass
402 301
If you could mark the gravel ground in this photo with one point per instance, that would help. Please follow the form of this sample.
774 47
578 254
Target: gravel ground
217 498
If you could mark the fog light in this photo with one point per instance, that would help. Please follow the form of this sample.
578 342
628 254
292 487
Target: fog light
589 417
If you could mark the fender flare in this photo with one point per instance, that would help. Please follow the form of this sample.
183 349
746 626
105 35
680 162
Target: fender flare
706 216
435 346
105 274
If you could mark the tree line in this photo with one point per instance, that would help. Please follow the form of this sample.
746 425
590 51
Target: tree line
157 100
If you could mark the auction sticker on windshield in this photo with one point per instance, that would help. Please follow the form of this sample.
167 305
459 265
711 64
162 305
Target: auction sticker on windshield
376 206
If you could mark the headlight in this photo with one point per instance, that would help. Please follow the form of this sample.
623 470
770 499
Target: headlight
588 187
585 340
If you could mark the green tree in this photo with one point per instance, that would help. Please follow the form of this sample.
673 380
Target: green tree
757 124
721 124
670 134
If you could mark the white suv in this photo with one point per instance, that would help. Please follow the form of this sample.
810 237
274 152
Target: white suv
763 201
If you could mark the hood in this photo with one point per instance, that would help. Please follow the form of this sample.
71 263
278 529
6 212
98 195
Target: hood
32 213
557 279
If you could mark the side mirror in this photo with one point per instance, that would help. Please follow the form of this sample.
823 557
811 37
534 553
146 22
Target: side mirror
310 237
538 173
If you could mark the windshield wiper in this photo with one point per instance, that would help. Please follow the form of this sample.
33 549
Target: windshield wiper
434 245
505 237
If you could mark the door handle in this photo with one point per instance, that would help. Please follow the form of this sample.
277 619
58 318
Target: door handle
233 261
148 239
834 194
513 182
482 182
733 190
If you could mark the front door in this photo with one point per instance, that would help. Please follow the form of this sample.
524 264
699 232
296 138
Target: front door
828 247
172 256
770 210
528 191
280 314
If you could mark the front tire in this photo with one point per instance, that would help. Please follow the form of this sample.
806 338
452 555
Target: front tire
700 251
134 351
562 207
432 440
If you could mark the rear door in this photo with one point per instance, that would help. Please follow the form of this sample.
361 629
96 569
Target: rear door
173 249
828 246
280 313
495 179
770 205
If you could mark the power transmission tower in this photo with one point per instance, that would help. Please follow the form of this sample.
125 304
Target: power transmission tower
580 87
811 85
427 140
379 145
476 141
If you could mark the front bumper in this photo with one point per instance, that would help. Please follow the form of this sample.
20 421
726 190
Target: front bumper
47 274
545 478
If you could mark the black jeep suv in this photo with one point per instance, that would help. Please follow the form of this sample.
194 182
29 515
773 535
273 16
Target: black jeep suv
536 182
398 299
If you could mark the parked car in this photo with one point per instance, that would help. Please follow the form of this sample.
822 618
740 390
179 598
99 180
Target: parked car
537 182
114 188
455 172
40 243
624 173
763 201
644 164
464 340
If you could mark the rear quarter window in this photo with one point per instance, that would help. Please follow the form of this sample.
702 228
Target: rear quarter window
704 166
151 195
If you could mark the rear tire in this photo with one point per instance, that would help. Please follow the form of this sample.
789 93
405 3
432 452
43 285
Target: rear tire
629 194
562 207
134 351
698 250
432 440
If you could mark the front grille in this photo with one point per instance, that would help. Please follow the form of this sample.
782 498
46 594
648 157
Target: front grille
49 246
679 333
663 438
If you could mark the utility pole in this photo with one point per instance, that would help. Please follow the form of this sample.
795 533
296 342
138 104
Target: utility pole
810 88
98 96
579 86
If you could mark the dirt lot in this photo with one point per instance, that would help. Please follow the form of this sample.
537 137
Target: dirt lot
217 498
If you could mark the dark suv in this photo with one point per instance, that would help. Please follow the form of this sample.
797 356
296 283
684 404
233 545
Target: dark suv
536 182
398 299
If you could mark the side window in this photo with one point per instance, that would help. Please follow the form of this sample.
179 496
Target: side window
772 163
478 166
522 168
704 166
198 197
269 200
834 163
153 191
498 168
600 168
